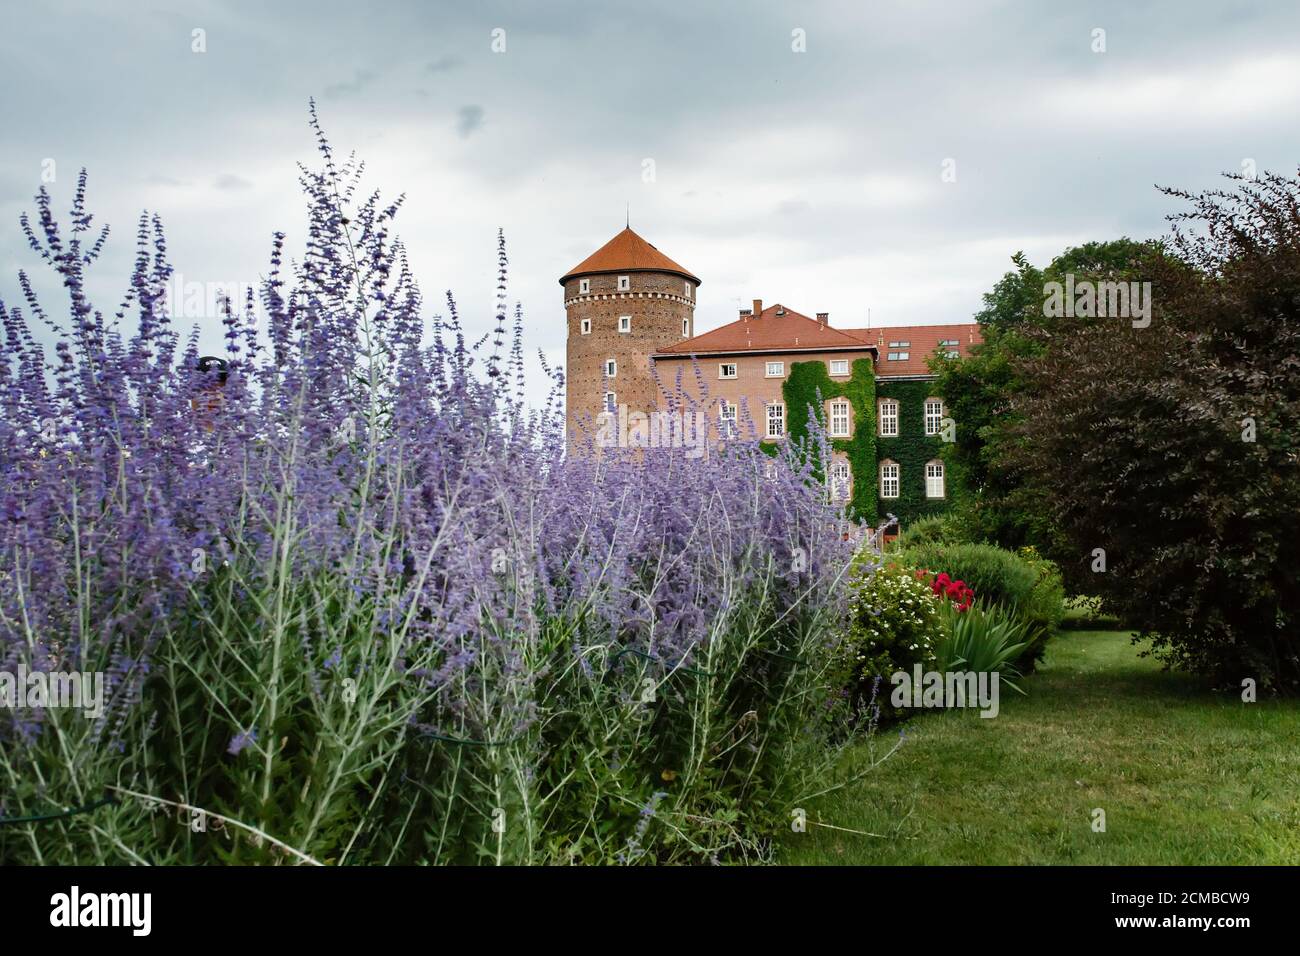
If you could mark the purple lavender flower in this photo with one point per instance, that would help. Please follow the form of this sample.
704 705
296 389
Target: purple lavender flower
241 740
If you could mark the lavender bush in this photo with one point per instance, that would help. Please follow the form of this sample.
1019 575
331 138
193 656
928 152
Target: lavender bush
355 604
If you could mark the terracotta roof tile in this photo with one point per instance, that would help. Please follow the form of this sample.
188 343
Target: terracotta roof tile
921 342
627 252
776 327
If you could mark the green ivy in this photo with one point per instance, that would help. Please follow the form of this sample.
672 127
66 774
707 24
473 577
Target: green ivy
801 389
912 448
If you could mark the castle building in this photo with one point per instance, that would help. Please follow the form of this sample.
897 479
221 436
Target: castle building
625 302
631 309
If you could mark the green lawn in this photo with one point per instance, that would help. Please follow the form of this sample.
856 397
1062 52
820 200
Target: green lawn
1185 777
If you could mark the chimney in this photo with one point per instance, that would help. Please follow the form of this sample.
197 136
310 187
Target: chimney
758 306
823 318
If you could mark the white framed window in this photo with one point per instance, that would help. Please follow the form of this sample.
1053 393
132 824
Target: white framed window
888 418
888 479
727 419
934 479
898 357
686 328
688 290
726 370
584 326
933 416
611 368
624 283
625 323
899 345
839 366
611 402
841 477
584 286
775 370
839 419
776 420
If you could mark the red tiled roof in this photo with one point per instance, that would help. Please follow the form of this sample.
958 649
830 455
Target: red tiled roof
627 252
922 341
775 328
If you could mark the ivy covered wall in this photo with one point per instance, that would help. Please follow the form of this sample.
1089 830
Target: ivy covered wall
801 389
911 449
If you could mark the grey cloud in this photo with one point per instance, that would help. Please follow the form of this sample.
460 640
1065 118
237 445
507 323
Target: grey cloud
352 87
469 120
229 181
443 64
809 178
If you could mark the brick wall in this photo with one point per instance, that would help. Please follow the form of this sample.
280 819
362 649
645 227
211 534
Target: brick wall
657 303
751 383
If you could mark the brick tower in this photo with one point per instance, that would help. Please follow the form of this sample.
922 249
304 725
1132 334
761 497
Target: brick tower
624 302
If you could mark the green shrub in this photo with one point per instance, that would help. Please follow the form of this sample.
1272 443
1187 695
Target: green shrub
935 529
893 624
1023 582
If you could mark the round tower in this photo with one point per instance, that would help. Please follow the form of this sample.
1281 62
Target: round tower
625 302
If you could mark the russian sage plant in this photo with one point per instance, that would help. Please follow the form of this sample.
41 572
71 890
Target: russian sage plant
354 602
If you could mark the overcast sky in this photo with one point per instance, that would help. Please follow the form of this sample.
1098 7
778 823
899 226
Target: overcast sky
812 178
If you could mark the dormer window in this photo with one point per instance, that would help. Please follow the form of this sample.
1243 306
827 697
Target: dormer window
625 323
584 286
624 283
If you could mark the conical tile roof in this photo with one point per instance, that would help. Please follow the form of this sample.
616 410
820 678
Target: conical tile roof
627 252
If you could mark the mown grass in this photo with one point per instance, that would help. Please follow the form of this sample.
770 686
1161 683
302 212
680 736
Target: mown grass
1184 776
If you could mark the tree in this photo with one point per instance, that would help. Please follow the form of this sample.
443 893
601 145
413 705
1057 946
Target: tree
979 391
1166 458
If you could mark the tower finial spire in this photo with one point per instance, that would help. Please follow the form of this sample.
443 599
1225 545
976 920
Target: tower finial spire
628 221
